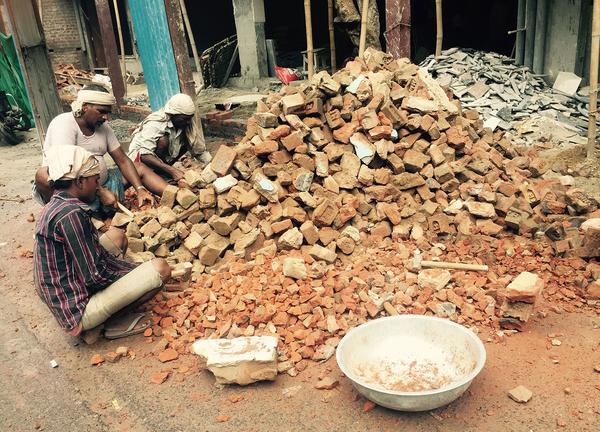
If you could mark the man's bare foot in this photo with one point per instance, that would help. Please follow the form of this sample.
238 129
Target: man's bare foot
91 336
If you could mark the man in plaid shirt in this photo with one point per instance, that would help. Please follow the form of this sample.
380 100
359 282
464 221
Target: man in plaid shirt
80 281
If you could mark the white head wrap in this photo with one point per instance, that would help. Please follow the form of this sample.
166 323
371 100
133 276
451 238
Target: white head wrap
91 97
180 104
68 162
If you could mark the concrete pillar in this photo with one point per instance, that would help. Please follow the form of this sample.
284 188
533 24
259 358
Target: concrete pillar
563 37
250 27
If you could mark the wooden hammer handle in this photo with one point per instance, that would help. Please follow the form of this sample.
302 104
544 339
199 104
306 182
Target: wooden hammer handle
451 265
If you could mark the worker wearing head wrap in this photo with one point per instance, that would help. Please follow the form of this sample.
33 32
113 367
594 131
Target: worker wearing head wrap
68 163
91 97
81 281
166 135
86 126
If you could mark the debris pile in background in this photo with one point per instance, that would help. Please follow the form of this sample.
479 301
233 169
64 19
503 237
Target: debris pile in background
68 74
512 98
69 80
140 100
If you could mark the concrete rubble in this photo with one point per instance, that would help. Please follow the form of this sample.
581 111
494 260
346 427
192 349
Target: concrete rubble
521 296
242 360
520 394
306 228
513 99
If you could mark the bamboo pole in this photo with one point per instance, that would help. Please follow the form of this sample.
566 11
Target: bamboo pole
593 109
190 33
309 39
439 27
364 15
109 44
121 44
131 32
520 33
331 35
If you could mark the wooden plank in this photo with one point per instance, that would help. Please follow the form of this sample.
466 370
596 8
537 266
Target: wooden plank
398 26
27 30
39 77
180 50
109 44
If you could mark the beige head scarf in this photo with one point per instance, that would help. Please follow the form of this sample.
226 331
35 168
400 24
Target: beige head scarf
68 162
179 104
91 97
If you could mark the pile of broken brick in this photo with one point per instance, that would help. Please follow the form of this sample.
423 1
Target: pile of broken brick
307 226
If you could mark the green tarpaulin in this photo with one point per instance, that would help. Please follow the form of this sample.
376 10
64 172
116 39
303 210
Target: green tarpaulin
11 77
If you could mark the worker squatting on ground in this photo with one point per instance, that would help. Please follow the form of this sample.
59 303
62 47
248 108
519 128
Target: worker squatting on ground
80 281
86 127
166 135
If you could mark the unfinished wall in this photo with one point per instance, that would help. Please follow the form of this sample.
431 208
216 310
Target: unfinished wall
62 36
562 36
250 26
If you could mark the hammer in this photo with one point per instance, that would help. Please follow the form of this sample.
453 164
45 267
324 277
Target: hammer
419 263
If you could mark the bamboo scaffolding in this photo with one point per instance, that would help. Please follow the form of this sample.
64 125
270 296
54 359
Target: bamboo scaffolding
364 15
593 109
310 53
439 27
331 35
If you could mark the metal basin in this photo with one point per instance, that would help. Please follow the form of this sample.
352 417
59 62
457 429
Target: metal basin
411 362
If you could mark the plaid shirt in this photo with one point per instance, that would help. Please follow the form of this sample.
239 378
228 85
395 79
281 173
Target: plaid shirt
69 263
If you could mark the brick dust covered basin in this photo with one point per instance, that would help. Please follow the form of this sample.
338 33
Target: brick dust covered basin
411 362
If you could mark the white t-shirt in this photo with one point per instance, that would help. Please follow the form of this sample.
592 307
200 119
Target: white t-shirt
64 130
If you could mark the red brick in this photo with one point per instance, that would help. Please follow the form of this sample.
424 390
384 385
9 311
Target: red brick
280 132
223 160
344 133
293 140
266 147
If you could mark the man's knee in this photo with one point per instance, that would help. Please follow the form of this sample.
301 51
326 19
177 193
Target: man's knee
141 169
41 177
163 268
118 237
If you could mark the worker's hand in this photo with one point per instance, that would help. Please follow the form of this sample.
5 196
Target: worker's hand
144 196
204 157
182 184
176 174
107 198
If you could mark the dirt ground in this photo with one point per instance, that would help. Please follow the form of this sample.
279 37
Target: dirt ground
120 397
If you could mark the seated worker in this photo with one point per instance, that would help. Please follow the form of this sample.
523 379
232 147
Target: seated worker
81 283
166 135
86 127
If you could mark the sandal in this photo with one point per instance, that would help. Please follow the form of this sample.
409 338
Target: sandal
126 325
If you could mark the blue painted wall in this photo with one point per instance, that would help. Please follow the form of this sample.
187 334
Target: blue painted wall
155 49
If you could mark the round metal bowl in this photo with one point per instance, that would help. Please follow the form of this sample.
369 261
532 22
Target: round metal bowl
411 362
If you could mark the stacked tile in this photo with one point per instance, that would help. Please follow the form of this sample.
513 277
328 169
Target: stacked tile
511 97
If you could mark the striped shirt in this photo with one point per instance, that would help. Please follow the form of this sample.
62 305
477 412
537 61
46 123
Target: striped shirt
69 263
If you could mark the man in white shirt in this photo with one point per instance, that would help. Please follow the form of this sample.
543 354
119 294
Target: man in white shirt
166 135
86 127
